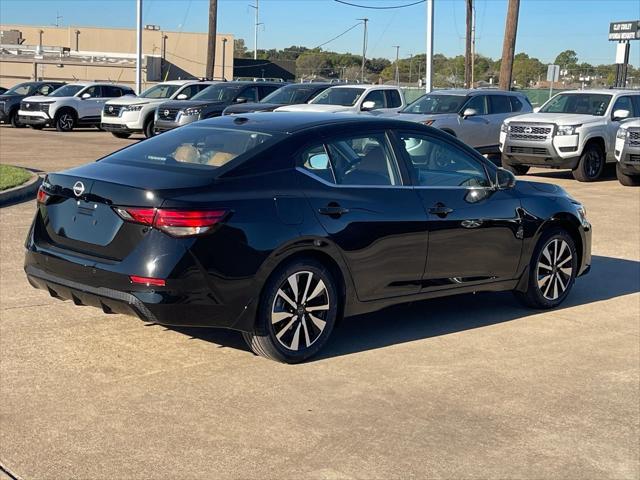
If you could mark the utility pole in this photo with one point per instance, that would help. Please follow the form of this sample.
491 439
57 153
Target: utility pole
509 45
410 67
428 73
364 47
473 47
211 39
397 47
467 47
255 33
138 46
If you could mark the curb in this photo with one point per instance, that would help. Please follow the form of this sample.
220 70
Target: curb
21 193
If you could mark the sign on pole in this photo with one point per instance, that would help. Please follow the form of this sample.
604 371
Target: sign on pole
619 31
553 75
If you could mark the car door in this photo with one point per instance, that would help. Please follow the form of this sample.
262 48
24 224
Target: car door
475 234
474 130
499 111
359 197
91 107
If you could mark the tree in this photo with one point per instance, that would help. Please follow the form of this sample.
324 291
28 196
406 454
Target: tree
312 63
239 48
567 59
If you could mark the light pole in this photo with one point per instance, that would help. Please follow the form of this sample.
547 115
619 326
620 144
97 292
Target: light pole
428 77
397 47
224 56
77 32
255 33
410 67
138 46
364 47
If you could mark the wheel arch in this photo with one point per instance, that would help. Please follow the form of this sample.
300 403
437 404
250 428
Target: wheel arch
449 131
598 140
66 108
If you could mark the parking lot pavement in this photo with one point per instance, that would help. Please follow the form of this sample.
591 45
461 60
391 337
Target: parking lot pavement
468 387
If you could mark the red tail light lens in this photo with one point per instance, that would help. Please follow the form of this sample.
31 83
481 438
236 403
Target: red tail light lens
155 282
42 197
178 223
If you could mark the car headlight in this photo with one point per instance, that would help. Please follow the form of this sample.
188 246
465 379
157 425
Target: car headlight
133 108
504 128
192 111
621 133
567 129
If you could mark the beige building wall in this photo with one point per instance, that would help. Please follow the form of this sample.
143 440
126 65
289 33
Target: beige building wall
186 53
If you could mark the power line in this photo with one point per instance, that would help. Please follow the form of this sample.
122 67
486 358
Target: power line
380 8
338 36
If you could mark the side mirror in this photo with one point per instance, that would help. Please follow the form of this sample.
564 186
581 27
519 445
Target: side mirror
182 96
505 179
368 106
469 112
621 114
242 100
536 110
85 96
319 161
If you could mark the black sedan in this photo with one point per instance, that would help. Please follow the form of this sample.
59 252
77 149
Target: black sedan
293 94
278 225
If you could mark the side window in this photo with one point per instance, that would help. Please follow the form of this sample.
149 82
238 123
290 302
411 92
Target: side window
316 161
393 99
251 94
191 90
45 90
363 160
377 97
499 104
516 104
266 90
435 163
478 103
94 92
624 103
111 91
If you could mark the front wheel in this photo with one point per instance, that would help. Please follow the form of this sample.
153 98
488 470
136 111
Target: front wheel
120 134
148 129
627 180
591 164
65 122
15 121
552 271
297 313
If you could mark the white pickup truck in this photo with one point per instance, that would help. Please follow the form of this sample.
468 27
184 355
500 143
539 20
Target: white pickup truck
574 130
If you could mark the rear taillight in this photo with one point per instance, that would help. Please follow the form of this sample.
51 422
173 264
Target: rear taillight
177 223
42 197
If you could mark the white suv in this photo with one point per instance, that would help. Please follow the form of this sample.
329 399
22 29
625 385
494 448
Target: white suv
128 115
628 153
574 129
74 105
353 99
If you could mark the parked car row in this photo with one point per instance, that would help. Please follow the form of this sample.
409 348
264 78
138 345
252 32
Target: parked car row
574 130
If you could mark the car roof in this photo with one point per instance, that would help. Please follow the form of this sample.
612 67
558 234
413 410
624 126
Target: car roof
91 84
474 91
292 122
365 86
604 91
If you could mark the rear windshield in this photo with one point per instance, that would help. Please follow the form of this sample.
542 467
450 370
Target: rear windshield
436 104
579 103
67 91
347 97
195 146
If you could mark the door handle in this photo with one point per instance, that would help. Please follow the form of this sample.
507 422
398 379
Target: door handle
333 210
440 210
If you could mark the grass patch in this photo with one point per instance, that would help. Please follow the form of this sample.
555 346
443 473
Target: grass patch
12 176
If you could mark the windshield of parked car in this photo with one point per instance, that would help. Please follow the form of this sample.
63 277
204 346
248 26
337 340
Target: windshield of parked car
196 146
160 91
21 89
578 103
218 93
291 95
67 91
434 104
347 97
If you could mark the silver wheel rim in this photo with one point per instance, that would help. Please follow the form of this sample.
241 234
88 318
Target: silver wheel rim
299 311
555 269
66 121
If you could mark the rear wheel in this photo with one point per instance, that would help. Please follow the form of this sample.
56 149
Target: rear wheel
120 134
591 164
552 271
65 121
296 314
15 122
148 128
515 169
627 180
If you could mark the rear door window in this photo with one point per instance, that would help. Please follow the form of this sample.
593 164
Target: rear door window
393 99
516 104
499 104
111 91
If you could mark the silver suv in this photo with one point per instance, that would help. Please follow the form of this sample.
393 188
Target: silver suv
628 153
473 116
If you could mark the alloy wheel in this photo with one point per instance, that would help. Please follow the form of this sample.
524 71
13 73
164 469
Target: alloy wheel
593 164
66 121
555 269
299 311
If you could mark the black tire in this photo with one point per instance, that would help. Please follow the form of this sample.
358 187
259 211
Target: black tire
280 334
120 134
15 122
515 169
545 290
627 180
591 164
65 121
148 128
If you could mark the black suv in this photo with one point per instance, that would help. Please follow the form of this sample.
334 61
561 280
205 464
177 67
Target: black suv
293 94
10 100
210 102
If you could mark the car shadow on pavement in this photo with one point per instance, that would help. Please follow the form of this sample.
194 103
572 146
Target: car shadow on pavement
609 173
609 278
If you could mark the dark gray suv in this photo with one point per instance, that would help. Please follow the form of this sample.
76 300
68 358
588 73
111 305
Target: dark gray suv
10 100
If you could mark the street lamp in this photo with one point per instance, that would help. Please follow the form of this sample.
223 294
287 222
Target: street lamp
397 47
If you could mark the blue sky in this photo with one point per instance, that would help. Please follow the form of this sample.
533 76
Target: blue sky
546 27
